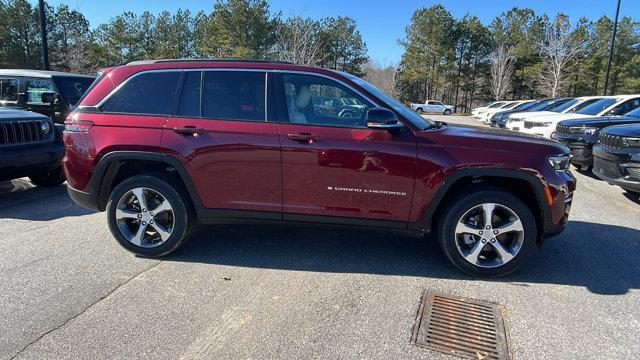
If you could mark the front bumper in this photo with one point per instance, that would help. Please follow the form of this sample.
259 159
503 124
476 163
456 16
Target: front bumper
581 150
16 162
617 168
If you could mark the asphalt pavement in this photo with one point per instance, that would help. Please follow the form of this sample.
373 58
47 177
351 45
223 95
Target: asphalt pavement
68 290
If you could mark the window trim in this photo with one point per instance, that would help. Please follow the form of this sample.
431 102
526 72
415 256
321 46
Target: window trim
202 70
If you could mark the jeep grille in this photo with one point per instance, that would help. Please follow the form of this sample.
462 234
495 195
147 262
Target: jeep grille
21 132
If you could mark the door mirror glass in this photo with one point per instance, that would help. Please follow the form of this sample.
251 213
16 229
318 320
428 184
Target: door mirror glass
381 118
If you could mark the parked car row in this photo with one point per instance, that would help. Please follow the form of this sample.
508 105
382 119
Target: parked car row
602 132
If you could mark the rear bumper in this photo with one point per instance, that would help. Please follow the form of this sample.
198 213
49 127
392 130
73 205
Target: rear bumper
26 161
84 199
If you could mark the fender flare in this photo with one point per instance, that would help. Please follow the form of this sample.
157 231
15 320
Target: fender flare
535 182
105 164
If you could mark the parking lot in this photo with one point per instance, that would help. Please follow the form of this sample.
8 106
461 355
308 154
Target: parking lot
68 290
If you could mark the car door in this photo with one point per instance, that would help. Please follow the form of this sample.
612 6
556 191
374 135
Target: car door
438 107
334 166
431 107
36 91
221 135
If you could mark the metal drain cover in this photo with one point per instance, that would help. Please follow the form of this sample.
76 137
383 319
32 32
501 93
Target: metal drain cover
463 327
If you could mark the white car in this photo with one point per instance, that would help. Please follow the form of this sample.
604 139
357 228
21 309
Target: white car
488 113
501 106
515 121
432 106
609 106
474 111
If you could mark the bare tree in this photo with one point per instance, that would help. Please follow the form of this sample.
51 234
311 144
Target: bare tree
559 49
298 41
501 72
78 56
382 76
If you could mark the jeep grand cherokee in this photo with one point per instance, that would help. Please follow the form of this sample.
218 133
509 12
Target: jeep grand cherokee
165 145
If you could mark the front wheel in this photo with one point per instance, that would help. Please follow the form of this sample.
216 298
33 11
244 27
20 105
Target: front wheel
447 112
419 111
150 216
487 233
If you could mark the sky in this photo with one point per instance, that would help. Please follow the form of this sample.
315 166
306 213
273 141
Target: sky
381 23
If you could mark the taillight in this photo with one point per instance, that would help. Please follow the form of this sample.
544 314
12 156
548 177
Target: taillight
73 124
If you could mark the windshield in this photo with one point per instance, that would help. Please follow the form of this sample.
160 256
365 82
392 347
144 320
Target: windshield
583 105
72 88
556 105
523 105
564 106
407 113
540 105
635 112
498 104
598 106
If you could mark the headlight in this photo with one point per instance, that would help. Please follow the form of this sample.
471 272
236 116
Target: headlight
560 163
545 124
45 127
635 142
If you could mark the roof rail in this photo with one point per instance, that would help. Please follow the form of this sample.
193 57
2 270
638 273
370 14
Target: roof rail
143 62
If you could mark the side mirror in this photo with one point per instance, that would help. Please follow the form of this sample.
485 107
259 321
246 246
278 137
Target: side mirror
47 97
381 118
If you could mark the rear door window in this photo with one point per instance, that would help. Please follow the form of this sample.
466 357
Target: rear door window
8 90
72 88
234 95
190 98
149 93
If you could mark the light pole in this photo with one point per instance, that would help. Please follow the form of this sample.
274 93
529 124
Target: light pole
613 40
43 36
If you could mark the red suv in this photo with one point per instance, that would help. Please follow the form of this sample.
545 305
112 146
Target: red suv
163 146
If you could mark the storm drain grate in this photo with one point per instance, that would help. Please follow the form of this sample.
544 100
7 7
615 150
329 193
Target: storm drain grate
463 327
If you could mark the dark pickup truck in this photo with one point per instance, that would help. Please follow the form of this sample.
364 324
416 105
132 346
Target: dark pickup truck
30 145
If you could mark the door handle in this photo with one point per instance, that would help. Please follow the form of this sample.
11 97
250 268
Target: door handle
188 130
304 137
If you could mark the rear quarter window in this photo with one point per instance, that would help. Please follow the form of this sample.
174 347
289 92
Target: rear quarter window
148 93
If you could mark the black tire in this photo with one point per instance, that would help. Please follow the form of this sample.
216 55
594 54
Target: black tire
184 219
54 177
419 111
457 207
447 112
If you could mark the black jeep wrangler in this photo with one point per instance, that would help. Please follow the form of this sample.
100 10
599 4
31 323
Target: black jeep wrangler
51 93
30 145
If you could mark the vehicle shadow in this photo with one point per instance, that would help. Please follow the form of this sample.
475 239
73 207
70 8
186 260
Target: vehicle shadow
19 199
602 258
635 197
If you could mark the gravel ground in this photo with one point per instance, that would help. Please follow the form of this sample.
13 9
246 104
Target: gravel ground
67 290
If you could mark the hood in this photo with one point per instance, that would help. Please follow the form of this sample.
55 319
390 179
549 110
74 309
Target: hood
624 130
556 118
495 139
8 114
535 114
601 122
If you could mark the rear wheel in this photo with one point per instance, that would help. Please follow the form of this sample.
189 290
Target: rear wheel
52 177
419 111
487 232
150 216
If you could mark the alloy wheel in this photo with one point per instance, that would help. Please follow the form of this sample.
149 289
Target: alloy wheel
489 235
145 217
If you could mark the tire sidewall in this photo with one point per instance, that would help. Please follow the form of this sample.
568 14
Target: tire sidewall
447 112
471 199
171 194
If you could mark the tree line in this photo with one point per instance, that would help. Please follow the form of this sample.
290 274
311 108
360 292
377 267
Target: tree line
461 61
232 29
519 55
